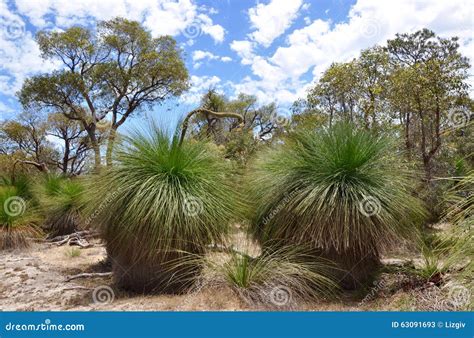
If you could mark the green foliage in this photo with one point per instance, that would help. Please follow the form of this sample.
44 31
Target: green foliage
108 73
18 219
73 252
339 190
159 203
289 270
461 213
61 201
21 183
460 200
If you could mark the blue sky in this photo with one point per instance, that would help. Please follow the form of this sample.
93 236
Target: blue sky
275 49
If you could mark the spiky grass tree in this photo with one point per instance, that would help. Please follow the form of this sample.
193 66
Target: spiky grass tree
275 278
460 213
61 201
18 221
341 190
163 201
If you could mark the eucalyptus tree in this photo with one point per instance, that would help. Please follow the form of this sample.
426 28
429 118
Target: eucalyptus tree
428 84
107 75
352 91
74 144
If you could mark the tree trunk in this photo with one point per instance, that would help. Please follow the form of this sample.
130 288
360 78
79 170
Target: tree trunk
90 129
66 157
110 146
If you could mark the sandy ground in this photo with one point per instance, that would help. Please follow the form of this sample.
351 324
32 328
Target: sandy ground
35 280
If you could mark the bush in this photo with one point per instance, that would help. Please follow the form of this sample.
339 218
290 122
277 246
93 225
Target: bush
278 278
160 203
61 202
341 191
18 221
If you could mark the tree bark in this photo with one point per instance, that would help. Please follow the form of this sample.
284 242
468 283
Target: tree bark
110 146
95 146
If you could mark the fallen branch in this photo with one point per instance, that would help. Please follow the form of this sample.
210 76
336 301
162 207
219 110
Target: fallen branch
77 287
89 275
77 238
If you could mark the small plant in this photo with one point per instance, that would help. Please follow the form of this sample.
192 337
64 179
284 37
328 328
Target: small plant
341 191
18 221
274 278
73 252
60 200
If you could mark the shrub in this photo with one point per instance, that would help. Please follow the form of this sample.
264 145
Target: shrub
339 190
17 220
61 202
160 203
461 214
22 183
73 252
277 278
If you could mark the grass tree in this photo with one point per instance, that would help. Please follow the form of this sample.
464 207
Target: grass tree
61 201
18 221
342 191
166 199
275 278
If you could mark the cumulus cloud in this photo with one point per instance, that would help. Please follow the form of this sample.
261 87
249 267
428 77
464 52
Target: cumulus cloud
244 50
20 56
160 16
199 85
19 53
200 55
272 20
315 46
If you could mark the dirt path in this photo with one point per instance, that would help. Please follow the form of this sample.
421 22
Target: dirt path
35 280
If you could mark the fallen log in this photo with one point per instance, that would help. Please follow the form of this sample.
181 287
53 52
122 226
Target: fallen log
89 275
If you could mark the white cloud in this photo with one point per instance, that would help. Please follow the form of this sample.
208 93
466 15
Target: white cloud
272 20
20 56
200 55
244 50
160 16
217 32
314 47
199 85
